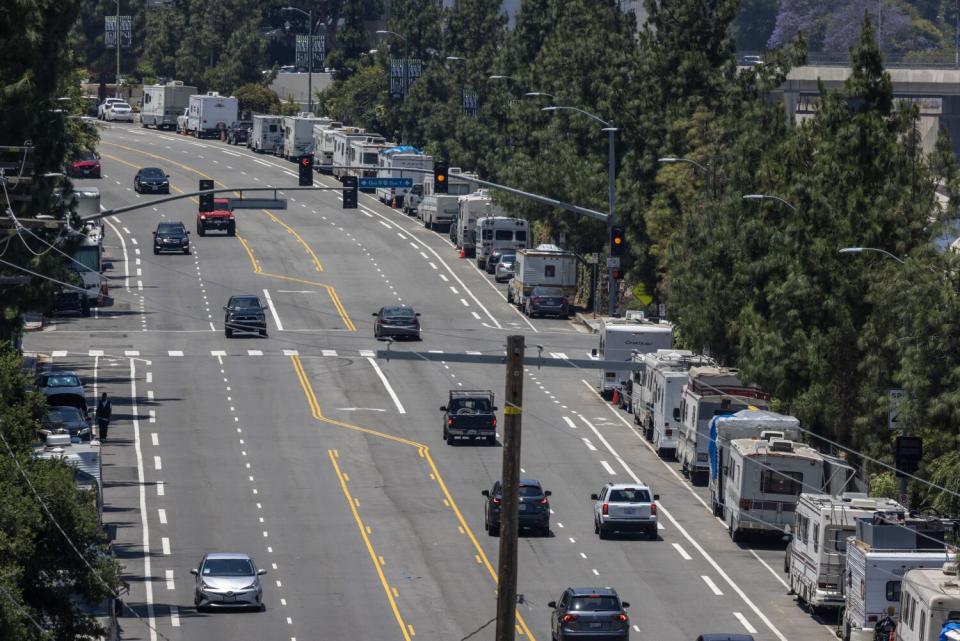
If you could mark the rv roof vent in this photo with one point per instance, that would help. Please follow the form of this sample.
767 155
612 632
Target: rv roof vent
213 93
769 435
634 314
58 439
849 496
176 83
454 170
781 445
950 569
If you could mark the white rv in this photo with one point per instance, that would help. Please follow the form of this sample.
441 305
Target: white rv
163 103
209 114
883 550
543 266
438 210
343 149
471 208
929 601
709 392
499 233
818 551
363 156
621 339
764 481
656 393
266 135
298 135
328 145
393 162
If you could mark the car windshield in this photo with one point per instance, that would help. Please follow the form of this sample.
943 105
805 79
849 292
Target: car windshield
152 172
399 312
478 405
88 155
629 495
63 414
61 380
228 567
169 229
595 603
120 105
547 291
530 491
246 303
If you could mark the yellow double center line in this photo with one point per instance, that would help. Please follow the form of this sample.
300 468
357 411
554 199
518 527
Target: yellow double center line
424 452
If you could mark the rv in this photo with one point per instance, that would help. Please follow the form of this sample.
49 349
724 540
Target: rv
163 103
499 233
266 135
818 550
621 339
709 392
343 148
437 210
363 157
298 135
326 141
83 456
471 208
393 162
884 549
764 480
544 266
929 604
656 390
208 115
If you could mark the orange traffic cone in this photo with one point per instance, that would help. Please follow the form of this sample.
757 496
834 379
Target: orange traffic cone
616 396
393 203
463 253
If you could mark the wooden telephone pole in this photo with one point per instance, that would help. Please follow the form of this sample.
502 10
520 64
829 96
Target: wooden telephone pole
510 483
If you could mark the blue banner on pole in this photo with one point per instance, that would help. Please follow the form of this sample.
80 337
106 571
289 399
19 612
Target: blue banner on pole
385 183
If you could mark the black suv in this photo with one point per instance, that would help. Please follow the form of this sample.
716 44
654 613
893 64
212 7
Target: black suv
534 507
239 132
589 613
171 237
244 314
152 180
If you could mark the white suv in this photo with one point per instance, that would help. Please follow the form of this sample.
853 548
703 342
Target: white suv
625 507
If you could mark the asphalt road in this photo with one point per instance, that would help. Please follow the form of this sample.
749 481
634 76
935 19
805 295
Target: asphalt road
327 464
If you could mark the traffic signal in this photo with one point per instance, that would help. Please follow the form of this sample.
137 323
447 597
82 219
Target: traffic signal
350 192
616 273
617 241
907 454
440 182
306 170
206 200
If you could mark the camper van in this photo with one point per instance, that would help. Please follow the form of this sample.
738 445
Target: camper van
393 163
499 233
162 104
363 157
344 150
471 208
327 141
656 391
710 391
818 551
621 338
438 210
929 601
267 134
298 135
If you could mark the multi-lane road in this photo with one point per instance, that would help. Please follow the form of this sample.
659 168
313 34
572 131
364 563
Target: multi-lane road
327 464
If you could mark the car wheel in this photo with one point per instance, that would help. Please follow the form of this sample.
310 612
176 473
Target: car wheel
601 531
493 529
263 333
652 533
201 231
596 526
445 437
156 251
492 439
231 229
228 332
186 250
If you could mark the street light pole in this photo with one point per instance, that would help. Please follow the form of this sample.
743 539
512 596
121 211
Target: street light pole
776 198
310 63
708 182
406 67
117 43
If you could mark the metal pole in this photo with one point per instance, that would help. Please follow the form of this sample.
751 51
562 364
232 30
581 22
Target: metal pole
117 43
310 63
510 506
611 199
406 82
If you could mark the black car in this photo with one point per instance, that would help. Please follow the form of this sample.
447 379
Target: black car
63 418
397 321
151 180
534 507
70 301
547 301
589 613
244 313
171 237
239 132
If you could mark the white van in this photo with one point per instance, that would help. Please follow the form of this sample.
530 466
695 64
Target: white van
621 338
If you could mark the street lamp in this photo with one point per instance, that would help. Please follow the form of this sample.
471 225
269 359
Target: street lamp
860 250
539 94
309 15
708 172
768 197
456 58
611 130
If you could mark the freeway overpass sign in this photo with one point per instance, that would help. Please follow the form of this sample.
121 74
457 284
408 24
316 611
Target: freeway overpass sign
385 183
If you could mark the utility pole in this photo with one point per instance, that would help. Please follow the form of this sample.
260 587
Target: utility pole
510 506
310 63
611 204
117 43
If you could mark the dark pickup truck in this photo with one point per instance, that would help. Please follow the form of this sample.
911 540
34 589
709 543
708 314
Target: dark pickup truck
470 415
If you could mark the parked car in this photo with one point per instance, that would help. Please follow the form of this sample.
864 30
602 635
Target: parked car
63 388
86 165
490 266
589 613
504 269
221 218
547 301
239 132
625 507
227 580
152 180
102 109
244 313
66 418
171 237
118 112
70 301
534 507
398 321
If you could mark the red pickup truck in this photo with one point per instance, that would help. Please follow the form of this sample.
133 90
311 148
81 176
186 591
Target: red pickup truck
221 218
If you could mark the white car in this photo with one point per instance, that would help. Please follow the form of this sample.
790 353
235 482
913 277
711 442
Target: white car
102 109
625 507
119 112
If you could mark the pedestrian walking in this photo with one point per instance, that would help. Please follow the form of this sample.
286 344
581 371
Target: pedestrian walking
886 627
104 411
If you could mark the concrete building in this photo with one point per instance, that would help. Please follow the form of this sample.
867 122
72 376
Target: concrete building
294 85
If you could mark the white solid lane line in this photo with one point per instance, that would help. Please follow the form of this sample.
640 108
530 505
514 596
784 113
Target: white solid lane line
144 523
123 245
386 384
273 310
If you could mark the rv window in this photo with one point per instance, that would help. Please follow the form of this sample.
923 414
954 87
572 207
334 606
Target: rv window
838 537
520 234
816 537
503 234
273 129
487 234
550 271
777 482
923 627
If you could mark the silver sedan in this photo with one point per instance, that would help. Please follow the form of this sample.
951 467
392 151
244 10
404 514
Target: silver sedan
228 580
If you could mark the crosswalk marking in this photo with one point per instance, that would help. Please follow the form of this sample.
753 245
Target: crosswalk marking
328 352
131 352
96 352
59 354
217 352
291 352
367 353
175 352
254 352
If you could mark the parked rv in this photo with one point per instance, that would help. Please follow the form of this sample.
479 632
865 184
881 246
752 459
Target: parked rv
343 149
298 135
363 157
163 103
499 233
439 210
543 266
266 135
929 603
332 149
208 115
393 161
621 339
471 208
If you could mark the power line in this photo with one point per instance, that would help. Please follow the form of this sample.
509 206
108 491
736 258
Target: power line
22 610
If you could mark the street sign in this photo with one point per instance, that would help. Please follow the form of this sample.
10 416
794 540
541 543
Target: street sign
613 262
896 397
593 258
385 183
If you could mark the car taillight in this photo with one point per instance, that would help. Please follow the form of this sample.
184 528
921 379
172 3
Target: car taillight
569 617
746 504
203 217
496 500
534 299
653 509
622 617
606 509
668 433
493 421
449 421
544 501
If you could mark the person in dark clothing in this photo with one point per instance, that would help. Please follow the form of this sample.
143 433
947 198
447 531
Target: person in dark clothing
104 411
886 626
